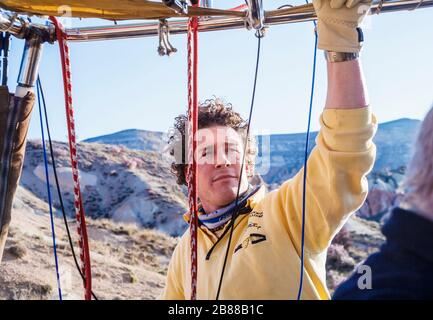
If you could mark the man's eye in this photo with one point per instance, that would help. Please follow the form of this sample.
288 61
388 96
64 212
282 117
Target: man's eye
206 152
234 149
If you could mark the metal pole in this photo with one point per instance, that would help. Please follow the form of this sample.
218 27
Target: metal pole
5 49
292 15
29 66
256 16
21 29
206 3
11 24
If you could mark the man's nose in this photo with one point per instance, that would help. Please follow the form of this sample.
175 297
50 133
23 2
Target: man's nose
222 159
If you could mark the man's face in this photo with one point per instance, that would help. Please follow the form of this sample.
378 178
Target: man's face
219 156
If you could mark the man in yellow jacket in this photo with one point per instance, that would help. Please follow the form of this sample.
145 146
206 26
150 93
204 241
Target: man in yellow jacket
265 249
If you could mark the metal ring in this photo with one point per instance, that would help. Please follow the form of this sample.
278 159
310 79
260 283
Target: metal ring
260 33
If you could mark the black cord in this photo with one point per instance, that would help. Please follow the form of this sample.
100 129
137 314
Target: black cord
285 6
57 183
306 155
234 213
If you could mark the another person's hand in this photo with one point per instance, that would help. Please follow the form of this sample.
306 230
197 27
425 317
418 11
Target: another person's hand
338 24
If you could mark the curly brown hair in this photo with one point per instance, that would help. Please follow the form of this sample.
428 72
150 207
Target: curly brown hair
211 112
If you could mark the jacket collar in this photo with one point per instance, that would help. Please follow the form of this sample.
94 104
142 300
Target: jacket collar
251 201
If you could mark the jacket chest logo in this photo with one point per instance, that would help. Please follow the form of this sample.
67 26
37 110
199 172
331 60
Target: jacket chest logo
254 232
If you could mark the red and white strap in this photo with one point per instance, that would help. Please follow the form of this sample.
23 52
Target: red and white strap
78 203
192 144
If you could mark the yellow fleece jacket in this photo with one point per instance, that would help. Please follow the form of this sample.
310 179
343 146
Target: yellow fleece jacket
264 256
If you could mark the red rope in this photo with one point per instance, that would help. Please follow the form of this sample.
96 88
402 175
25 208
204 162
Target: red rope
241 7
78 204
192 144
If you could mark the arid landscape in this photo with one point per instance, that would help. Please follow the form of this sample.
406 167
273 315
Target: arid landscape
134 214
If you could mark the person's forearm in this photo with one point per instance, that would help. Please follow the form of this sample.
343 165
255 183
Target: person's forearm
346 85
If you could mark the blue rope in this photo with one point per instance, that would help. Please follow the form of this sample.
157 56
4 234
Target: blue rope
301 277
49 194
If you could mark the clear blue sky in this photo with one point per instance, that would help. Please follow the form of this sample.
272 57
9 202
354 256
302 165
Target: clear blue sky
125 84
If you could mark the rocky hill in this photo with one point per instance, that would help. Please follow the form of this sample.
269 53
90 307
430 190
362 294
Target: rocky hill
117 183
133 139
286 151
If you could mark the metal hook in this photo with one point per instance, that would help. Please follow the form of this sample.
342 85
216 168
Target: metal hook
165 48
169 46
161 46
260 33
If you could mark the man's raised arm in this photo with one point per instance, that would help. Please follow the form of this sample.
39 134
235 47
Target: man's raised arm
340 36
336 184
346 85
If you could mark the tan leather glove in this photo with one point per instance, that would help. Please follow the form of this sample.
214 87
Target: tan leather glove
338 24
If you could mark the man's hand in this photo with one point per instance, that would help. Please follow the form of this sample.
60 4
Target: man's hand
338 24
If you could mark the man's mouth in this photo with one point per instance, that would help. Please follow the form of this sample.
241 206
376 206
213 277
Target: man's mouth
223 177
